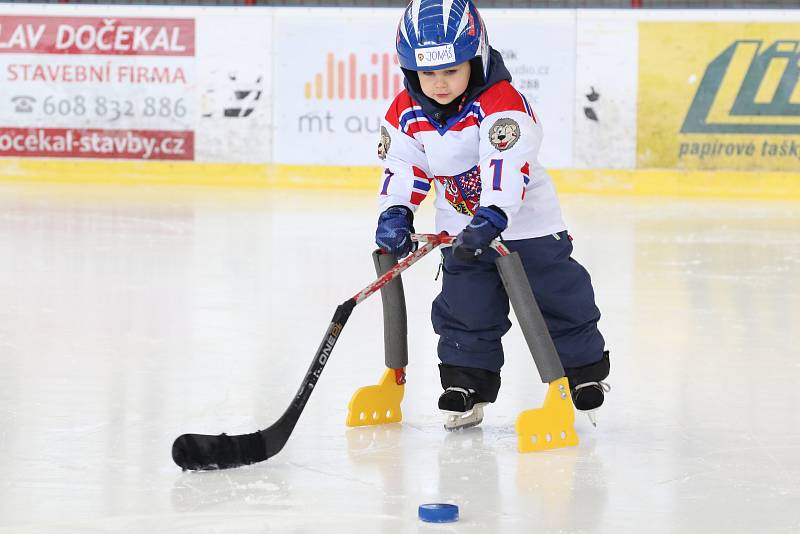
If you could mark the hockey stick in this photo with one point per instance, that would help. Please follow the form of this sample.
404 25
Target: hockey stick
207 452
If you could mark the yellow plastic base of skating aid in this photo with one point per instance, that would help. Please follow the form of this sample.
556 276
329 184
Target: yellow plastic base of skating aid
553 425
378 405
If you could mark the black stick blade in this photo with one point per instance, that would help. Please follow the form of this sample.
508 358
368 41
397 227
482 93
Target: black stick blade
201 452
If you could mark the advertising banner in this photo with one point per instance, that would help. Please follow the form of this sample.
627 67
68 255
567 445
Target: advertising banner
234 84
329 105
605 99
719 95
309 86
138 83
92 87
538 48
336 74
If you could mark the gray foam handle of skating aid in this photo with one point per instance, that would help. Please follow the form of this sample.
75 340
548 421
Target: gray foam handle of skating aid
530 317
395 323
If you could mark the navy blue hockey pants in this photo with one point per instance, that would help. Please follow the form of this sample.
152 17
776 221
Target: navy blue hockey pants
471 312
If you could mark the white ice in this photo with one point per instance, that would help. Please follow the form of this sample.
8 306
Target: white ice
130 315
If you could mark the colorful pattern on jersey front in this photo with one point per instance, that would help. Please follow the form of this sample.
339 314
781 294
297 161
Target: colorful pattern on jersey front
463 191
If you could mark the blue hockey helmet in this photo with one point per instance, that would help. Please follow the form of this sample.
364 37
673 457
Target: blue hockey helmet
436 34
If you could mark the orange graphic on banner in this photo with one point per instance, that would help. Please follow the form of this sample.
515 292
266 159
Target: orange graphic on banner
342 80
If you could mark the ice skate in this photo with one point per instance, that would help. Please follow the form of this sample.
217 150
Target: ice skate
587 387
588 397
462 408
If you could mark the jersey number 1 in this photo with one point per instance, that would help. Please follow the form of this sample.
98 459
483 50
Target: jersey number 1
497 165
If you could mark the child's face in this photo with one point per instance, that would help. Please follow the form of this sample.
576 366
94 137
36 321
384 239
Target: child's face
445 85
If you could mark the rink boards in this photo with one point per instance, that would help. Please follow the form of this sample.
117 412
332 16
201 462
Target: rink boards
645 182
653 102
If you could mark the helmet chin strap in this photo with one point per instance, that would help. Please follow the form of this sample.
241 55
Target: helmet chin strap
477 76
412 77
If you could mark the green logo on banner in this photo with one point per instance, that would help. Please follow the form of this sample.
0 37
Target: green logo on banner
749 90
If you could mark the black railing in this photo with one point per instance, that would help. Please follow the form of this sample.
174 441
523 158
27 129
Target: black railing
644 4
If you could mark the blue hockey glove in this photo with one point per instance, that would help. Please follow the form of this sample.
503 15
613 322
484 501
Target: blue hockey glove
395 226
474 240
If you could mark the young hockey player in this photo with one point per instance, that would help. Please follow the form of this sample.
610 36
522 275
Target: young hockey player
461 126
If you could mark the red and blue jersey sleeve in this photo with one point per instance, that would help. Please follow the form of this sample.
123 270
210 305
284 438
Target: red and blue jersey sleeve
406 178
510 137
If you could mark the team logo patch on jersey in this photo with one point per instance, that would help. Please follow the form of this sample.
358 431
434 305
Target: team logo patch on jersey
504 134
384 143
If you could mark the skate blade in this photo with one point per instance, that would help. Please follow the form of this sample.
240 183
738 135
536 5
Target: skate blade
461 420
592 415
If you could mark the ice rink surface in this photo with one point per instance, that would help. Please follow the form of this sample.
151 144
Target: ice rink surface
130 315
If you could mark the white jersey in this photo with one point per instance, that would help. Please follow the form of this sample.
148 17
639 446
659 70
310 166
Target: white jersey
486 155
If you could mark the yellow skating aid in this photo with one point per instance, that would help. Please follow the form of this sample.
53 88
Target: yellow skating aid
553 425
378 405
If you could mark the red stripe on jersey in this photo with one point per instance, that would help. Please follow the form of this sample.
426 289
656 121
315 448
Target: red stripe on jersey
419 173
469 120
401 102
501 97
533 115
526 173
421 125
417 198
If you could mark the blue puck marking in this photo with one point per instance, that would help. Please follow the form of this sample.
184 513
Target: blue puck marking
438 512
